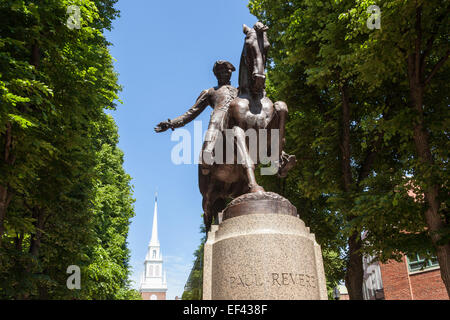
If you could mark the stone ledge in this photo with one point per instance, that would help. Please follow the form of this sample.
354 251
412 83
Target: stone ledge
258 203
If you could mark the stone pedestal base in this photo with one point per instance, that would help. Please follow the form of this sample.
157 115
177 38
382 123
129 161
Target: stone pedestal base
262 250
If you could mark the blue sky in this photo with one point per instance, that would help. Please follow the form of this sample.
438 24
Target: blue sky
165 51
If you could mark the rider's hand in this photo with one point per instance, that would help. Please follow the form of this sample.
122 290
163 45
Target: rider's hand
163 126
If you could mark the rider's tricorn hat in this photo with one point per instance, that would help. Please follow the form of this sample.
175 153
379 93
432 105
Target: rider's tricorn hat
223 63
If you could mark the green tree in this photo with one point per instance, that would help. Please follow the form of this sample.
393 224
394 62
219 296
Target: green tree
412 50
64 197
193 290
108 270
349 126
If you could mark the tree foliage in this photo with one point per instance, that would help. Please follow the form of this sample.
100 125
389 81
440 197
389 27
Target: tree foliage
193 290
64 196
368 124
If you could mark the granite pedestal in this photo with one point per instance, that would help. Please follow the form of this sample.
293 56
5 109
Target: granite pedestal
261 250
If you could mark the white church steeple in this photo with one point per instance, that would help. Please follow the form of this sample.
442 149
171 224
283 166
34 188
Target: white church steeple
154 241
153 284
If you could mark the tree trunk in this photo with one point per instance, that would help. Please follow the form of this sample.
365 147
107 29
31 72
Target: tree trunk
354 274
18 241
345 141
443 255
35 243
432 215
3 207
5 194
417 84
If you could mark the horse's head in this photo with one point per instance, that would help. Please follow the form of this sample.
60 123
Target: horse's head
254 55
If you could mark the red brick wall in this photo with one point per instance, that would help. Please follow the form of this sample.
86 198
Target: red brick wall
147 295
428 285
395 280
399 285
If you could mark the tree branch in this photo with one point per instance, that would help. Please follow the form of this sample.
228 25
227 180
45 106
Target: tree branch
430 41
436 68
370 158
418 43
345 139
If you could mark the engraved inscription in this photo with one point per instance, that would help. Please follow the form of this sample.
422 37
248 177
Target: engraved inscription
245 280
300 279
273 279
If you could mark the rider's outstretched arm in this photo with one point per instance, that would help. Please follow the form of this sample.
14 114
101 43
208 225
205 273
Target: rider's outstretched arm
200 105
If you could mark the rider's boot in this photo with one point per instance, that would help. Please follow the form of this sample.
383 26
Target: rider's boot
207 161
287 162
256 189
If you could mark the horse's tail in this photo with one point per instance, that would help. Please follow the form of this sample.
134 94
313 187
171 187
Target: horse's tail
211 214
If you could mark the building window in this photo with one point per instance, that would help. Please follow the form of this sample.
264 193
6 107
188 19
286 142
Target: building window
154 254
153 297
150 271
157 271
417 262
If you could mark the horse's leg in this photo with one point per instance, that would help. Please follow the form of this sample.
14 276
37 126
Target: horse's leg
282 112
286 161
248 164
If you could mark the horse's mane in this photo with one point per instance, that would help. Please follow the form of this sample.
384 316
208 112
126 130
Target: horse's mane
243 73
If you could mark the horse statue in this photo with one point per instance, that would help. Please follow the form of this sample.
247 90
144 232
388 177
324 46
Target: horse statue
253 110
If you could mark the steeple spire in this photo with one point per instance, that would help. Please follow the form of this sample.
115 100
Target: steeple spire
153 285
154 240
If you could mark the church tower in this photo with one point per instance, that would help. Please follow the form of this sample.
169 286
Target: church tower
153 282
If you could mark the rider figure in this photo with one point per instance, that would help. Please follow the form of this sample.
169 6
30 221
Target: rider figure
219 98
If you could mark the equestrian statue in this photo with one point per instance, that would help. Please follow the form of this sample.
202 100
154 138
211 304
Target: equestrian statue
236 111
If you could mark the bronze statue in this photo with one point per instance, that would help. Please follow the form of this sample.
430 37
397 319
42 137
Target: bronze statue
237 110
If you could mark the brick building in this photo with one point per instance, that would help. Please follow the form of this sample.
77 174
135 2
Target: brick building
410 279
413 278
